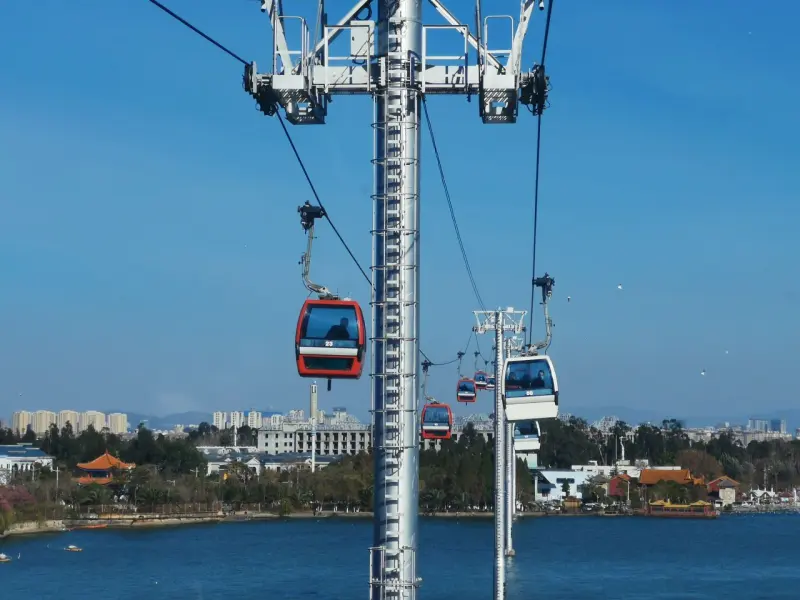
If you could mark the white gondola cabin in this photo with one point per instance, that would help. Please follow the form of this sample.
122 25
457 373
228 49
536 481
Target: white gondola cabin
530 388
526 436
489 382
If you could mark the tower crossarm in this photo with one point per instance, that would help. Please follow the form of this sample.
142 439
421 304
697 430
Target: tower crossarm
306 72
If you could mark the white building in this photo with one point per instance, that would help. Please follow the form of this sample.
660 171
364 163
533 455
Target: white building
69 416
331 440
21 420
274 420
220 458
254 419
21 458
237 419
94 418
220 420
42 419
117 423
552 483
296 414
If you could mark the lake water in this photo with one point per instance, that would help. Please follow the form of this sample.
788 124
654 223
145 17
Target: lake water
733 557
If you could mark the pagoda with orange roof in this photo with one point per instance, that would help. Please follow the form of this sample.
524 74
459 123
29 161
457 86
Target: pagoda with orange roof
101 469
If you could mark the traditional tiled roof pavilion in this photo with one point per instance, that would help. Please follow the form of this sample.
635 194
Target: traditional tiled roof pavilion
101 469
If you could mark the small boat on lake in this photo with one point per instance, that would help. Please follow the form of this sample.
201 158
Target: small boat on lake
4 558
695 510
72 548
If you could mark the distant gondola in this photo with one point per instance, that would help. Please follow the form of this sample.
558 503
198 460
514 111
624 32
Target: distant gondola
530 388
480 380
465 390
490 382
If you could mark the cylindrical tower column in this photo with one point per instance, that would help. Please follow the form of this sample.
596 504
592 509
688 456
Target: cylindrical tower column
499 464
509 475
394 308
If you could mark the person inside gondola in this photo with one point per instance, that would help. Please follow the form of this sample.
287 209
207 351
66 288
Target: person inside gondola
339 332
464 387
539 382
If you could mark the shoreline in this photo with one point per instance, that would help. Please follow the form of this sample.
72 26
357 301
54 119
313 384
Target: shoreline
26 528
151 521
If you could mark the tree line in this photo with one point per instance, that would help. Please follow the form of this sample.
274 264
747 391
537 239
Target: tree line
457 477
575 442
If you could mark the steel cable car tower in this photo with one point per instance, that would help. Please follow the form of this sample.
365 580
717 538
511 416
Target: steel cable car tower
397 72
500 321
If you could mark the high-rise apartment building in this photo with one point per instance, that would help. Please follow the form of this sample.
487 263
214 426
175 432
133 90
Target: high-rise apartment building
220 420
254 419
42 419
237 418
758 425
94 418
118 423
21 420
69 416
778 425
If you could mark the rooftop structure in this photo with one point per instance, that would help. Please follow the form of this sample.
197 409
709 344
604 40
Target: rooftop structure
219 459
21 458
101 469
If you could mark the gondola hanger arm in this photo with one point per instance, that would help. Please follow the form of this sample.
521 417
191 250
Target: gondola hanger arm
308 215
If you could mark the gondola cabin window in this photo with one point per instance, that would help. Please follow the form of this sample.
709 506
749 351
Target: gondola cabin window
331 323
437 415
530 376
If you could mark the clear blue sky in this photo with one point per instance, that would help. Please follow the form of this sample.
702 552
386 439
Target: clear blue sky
149 237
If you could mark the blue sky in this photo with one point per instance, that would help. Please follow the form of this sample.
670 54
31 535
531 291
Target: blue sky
149 237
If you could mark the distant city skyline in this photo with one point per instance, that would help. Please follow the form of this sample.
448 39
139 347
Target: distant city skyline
765 421
40 421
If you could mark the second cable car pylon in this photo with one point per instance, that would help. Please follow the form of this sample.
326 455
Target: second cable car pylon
500 321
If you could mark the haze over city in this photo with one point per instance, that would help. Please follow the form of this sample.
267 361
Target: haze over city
150 237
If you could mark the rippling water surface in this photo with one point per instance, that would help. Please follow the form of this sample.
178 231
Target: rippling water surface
734 557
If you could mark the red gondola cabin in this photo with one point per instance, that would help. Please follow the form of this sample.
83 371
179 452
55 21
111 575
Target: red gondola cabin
330 339
465 390
437 421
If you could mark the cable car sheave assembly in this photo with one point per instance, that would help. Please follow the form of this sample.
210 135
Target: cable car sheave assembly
331 338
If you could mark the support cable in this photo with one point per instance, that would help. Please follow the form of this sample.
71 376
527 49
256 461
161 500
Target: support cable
450 206
456 359
208 38
536 181
316 197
